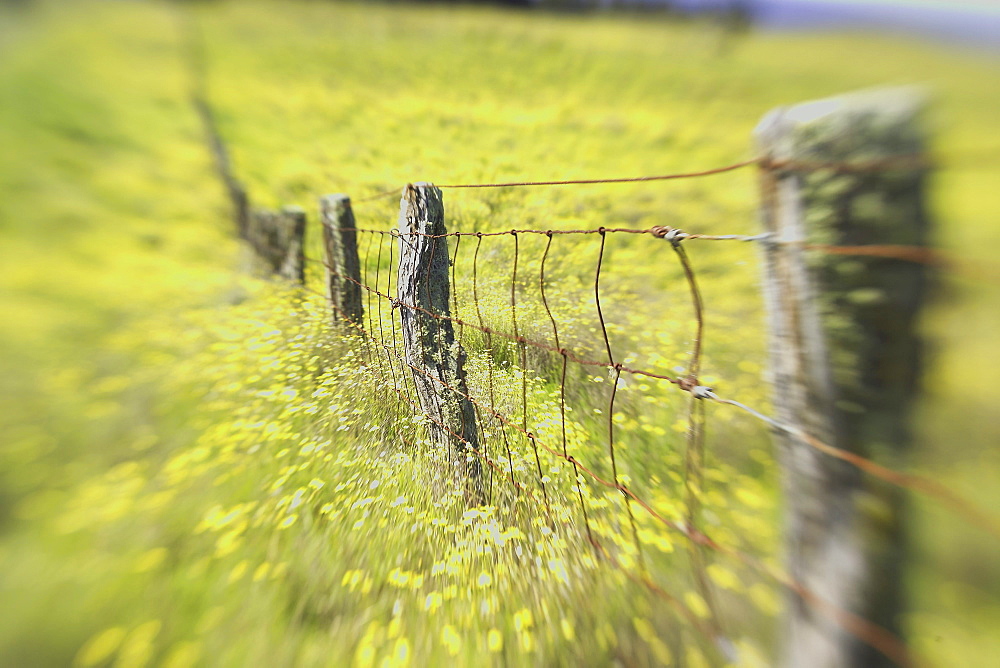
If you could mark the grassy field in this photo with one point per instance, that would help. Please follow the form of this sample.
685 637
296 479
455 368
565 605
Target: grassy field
196 471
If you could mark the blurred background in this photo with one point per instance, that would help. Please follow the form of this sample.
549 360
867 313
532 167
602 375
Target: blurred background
160 413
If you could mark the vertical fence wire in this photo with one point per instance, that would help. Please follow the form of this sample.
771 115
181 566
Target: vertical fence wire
522 350
695 448
616 372
501 427
578 480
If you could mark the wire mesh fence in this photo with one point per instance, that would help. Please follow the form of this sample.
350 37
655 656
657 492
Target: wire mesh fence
525 442
504 370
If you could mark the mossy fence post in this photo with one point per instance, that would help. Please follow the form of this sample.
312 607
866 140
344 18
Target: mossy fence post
278 242
436 358
343 268
845 354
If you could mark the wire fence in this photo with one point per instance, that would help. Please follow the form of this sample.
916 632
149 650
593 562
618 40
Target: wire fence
688 381
511 445
517 440
528 437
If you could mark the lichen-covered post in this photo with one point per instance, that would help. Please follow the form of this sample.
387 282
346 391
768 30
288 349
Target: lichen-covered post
343 268
430 348
845 354
278 241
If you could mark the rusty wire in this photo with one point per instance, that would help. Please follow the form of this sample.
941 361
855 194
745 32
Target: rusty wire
601 550
562 390
694 456
523 350
572 182
902 252
870 633
516 339
688 384
876 636
626 179
659 231
617 374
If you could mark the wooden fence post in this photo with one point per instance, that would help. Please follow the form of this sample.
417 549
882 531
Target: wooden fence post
343 268
845 353
278 241
429 343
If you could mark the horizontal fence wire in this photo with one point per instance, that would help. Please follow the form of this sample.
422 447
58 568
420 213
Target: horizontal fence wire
915 254
847 167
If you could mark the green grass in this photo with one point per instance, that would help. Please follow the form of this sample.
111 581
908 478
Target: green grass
196 471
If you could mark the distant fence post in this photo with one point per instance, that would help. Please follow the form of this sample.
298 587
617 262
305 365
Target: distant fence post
429 340
343 268
278 241
845 353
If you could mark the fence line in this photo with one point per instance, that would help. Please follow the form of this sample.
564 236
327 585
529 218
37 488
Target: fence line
870 633
874 635
910 481
644 579
885 642
696 536
881 639
878 637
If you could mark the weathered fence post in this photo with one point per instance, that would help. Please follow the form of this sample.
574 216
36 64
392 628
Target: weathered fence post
343 268
845 352
278 241
430 348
